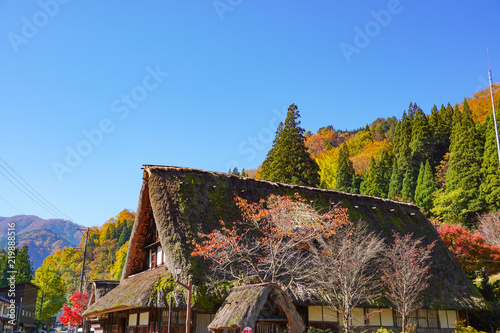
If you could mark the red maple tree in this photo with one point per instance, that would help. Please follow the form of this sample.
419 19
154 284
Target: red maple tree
470 249
73 314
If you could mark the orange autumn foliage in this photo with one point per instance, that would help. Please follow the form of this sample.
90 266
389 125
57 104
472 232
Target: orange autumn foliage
269 243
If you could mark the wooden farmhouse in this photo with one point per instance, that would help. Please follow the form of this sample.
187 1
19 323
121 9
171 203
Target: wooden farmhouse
175 204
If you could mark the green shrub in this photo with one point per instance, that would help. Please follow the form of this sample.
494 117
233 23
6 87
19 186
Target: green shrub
461 328
318 330
384 330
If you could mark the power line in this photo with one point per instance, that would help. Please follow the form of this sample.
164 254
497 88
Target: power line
8 203
30 192
20 189
41 196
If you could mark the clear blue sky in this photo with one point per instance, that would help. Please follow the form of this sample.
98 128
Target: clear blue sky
92 90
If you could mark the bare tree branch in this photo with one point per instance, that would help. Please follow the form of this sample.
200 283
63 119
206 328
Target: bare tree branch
405 272
345 269
489 227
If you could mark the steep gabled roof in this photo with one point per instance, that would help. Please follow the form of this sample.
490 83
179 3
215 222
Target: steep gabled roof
243 305
181 202
98 288
134 292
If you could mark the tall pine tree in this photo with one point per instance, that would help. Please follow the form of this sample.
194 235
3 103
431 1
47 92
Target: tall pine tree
378 176
440 123
402 164
426 185
464 172
407 192
288 160
490 187
345 171
421 146
24 266
396 181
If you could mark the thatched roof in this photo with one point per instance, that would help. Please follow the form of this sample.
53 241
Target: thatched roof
134 292
181 202
99 288
244 304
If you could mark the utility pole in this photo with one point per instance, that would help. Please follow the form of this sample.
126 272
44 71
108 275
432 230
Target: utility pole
83 270
19 314
84 255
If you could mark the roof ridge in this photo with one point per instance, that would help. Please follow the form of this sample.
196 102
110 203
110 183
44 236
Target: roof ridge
227 175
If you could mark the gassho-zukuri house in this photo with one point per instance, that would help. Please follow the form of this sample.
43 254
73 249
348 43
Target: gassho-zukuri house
177 203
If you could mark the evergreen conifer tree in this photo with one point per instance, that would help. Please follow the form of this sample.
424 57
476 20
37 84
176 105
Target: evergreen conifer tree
407 189
440 124
367 186
421 146
345 171
3 268
421 143
402 154
490 187
396 181
357 180
288 160
378 176
426 186
420 178
24 266
464 170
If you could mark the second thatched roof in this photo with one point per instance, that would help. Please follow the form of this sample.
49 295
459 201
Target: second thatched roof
134 292
244 305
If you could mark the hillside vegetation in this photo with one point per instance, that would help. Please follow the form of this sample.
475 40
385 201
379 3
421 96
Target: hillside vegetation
444 161
106 253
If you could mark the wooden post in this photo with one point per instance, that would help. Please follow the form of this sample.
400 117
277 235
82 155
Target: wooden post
169 314
188 306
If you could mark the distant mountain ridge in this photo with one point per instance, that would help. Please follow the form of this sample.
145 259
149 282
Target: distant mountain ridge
42 236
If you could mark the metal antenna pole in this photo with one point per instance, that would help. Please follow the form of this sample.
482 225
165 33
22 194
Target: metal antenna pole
493 106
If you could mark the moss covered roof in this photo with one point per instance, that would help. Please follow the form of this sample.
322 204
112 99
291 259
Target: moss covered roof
134 292
99 288
243 305
182 202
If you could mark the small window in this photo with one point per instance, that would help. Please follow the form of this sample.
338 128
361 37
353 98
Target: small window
422 318
144 319
132 319
315 313
159 256
432 318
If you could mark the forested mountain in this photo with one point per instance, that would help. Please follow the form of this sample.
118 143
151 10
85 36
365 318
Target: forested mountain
25 223
42 237
59 275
